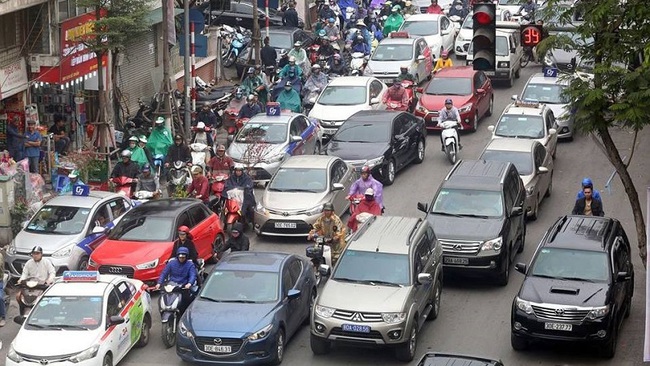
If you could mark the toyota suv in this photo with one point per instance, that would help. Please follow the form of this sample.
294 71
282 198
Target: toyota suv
387 282
578 287
488 197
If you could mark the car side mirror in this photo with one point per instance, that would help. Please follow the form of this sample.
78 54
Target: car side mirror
552 131
421 58
374 100
514 97
98 230
490 128
337 187
296 138
424 278
517 211
24 224
480 91
19 319
542 170
521 268
513 49
623 276
324 270
423 207
115 319
293 294
419 90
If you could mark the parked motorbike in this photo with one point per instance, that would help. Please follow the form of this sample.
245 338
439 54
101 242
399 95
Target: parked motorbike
240 41
320 253
449 135
124 185
200 154
233 208
217 185
169 306
31 291
179 175
358 63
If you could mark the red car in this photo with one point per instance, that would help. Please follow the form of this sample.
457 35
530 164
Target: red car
139 245
470 90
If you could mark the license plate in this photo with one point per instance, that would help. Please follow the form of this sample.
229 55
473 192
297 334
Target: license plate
285 225
489 73
558 326
455 260
329 131
217 349
355 328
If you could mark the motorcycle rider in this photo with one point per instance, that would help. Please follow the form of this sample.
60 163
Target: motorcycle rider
338 66
185 240
148 182
396 93
404 74
386 9
238 242
301 57
360 45
449 113
250 109
325 48
368 205
595 194
221 163
363 31
180 271
73 179
239 179
375 27
434 8
200 187
39 268
178 152
142 142
330 226
291 70
289 98
361 185
332 32
443 62
316 81
410 9
125 168
160 138
207 116
458 9
394 21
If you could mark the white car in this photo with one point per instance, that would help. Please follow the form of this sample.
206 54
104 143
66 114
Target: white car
437 30
345 96
84 319
464 37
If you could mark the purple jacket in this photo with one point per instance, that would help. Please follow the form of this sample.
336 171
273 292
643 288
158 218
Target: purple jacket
360 186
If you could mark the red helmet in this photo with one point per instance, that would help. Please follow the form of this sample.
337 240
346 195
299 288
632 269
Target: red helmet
365 169
184 229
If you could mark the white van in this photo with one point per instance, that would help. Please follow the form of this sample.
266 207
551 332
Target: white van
508 56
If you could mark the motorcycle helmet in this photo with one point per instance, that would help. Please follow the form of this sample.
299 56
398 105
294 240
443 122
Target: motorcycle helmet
404 68
239 166
397 81
143 139
288 83
221 148
587 183
146 167
297 44
251 97
251 70
449 101
315 67
239 93
37 249
200 126
360 38
178 138
365 169
328 206
183 229
322 33
369 192
360 23
197 169
160 120
444 54
396 8
182 252
133 138
126 153
292 59
331 20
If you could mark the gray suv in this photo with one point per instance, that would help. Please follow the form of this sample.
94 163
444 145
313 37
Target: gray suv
387 282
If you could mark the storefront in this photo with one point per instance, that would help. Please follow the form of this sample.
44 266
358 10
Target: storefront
13 97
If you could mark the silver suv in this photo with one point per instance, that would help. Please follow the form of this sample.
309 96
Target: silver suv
387 282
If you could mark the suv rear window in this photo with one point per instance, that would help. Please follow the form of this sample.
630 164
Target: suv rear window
571 264
366 267
468 202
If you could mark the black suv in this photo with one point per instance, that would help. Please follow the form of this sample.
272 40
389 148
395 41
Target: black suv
477 215
385 141
579 285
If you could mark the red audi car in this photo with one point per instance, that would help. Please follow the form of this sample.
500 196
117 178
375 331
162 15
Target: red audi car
470 90
139 245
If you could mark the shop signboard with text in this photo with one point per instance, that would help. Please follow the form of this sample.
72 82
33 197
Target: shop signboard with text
13 78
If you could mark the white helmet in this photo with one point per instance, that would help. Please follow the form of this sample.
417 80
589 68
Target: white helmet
160 120
200 125
292 59
126 153
369 192
239 166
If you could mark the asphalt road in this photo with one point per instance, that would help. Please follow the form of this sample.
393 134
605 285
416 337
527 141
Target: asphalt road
475 316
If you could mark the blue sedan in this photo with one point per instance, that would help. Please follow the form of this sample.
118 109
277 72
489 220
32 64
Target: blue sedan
249 306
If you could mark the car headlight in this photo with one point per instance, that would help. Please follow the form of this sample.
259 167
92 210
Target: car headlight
549 60
148 265
261 334
12 355
374 162
315 210
504 65
494 244
184 330
324 311
92 263
65 251
85 355
393 318
598 312
420 108
466 108
12 248
530 189
523 305
274 158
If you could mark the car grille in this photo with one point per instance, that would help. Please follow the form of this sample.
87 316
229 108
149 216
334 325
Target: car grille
117 270
357 316
235 343
325 123
559 313
301 227
460 246
372 335
44 360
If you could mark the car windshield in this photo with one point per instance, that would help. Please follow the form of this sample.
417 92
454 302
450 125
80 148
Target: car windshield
522 126
522 160
571 264
545 93
449 86
241 286
299 180
421 28
502 48
270 133
343 95
363 132
136 227
511 2
393 52
468 23
280 40
368 267
468 202
63 220
66 312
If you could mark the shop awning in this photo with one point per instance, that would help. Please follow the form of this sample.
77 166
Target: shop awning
155 16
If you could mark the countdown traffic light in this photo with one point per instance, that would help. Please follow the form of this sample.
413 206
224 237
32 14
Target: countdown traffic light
484 39
531 35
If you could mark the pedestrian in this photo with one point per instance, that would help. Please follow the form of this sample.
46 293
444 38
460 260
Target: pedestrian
268 54
61 139
587 205
290 18
33 141
15 140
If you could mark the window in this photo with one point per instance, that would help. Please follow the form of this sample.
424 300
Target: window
295 269
338 171
431 237
550 121
375 89
184 220
125 292
444 23
298 126
287 282
399 126
113 306
540 155
481 79
100 218
477 81
422 253
198 214
621 256
118 207
8 26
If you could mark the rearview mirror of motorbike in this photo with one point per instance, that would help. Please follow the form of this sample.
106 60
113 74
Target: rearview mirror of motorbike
293 294
115 319
324 270
337 187
423 207
374 101
19 319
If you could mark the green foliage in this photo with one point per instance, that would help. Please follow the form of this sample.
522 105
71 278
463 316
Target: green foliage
180 192
19 213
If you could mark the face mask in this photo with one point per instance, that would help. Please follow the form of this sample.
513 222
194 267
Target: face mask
287 88
370 198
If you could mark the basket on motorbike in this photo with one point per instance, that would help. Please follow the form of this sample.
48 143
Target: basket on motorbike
314 251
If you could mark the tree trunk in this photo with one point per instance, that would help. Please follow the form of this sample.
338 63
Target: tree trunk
615 158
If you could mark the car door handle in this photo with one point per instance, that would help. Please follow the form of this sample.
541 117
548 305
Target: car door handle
127 320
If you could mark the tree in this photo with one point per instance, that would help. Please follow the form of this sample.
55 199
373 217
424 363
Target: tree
617 91
118 23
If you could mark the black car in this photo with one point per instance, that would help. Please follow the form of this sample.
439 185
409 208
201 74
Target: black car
445 359
385 141
280 38
578 287
241 13
489 198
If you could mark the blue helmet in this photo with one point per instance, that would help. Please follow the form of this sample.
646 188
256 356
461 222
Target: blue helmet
146 167
182 251
587 182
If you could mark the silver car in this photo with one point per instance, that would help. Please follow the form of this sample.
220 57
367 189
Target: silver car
293 199
264 142
68 228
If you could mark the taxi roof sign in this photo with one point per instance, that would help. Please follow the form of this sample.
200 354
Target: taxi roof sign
550 72
399 35
273 109
80 276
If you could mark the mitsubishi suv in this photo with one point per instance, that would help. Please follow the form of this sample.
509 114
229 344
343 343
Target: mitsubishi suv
387 282
578 287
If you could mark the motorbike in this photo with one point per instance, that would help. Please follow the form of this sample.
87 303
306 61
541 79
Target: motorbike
358 63
200 154
394 105
320 253
168 305
233 129
31 291
130 129
310 99
179 176
355 199
449 135
231 114
312 53
233 208
124 185
240 41
217 185
457 21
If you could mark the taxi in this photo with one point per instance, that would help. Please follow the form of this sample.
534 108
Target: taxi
83 319
398 50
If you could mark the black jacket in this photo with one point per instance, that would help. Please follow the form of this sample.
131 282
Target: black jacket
290 18
268 55
596 207
129 170
189 244
238 244
176 153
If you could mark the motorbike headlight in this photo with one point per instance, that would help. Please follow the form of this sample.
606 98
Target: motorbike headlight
466 108
148 265
184 330
92 263
11 250
598 312
549 60
374 162
523 305
85 355
324 311
64 252
12 355
393 318
261 334
494 244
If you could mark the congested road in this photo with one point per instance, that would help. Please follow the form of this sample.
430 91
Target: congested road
475 316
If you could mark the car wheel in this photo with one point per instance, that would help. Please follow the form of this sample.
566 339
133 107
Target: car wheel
437 296
491 107
475 122
520 248
518 343
535 213
389 173
405 352
83 263
218 244
504 276
319 346
108 360
420 153
549 190
279 348
312 300
145 331
609 348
